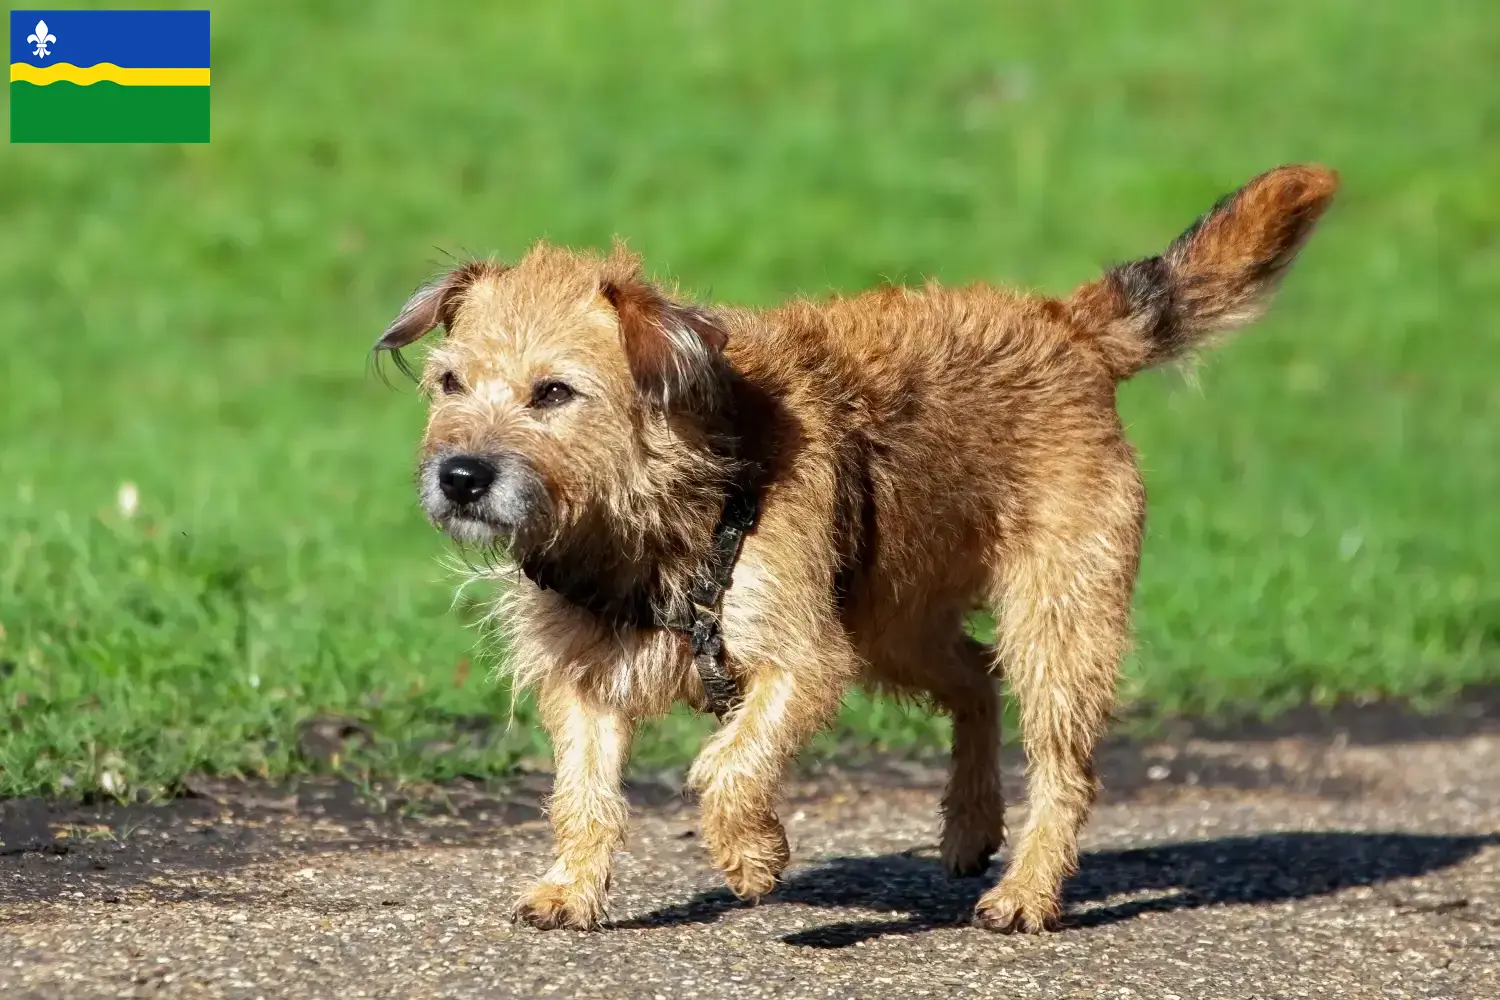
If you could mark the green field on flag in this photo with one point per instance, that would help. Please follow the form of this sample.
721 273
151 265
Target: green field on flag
107 112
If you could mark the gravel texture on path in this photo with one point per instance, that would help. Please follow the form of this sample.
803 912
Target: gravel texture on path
1252 866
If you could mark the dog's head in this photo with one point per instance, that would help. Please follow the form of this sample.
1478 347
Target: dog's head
567 390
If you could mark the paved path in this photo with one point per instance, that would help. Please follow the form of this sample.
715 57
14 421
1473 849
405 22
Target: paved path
1213 869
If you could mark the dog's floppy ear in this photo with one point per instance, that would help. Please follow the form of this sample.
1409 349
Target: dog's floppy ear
674 350
432 305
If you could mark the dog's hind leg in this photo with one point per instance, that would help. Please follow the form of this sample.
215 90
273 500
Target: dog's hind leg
1062 595
973 803
588 810
939 659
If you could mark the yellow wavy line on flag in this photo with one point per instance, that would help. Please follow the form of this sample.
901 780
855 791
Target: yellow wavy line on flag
128 76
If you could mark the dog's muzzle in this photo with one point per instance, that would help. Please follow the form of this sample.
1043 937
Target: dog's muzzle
482 498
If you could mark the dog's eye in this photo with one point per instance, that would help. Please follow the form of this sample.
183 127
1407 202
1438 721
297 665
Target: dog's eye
450 384
551 393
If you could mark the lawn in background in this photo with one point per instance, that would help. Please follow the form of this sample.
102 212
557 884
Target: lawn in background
194 321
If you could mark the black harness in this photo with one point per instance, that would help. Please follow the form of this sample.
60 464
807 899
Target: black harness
701 622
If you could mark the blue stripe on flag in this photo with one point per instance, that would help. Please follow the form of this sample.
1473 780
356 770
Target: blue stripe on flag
140 39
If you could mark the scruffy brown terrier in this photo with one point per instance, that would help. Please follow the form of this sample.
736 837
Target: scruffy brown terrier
912 453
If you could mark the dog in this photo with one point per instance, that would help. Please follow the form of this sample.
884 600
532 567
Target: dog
900 458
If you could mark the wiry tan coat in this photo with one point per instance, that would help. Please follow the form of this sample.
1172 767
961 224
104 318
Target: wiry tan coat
921 453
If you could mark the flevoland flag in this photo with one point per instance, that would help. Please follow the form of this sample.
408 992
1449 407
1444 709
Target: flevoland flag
109 76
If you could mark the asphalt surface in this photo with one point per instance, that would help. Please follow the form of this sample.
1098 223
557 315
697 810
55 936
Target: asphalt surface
1357 858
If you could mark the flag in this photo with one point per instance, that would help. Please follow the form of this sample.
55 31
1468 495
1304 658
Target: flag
109 76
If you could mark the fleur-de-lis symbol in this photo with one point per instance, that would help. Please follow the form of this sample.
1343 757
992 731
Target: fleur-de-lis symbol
41 38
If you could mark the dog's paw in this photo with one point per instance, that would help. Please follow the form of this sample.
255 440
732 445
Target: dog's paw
550 906
968 847
750 879
753 861
1008 909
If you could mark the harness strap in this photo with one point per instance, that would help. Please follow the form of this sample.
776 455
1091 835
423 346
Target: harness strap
704 628
702 625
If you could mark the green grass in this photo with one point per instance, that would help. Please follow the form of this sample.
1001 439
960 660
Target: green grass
195 320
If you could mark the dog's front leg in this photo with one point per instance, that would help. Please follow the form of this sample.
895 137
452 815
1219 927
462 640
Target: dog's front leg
588 810
792 681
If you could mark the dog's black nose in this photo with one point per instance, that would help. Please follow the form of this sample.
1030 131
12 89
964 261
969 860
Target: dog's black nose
464 479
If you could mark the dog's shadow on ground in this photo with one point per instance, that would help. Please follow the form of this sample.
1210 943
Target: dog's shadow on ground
1257 869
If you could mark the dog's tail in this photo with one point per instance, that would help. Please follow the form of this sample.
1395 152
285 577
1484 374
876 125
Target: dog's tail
1219 275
